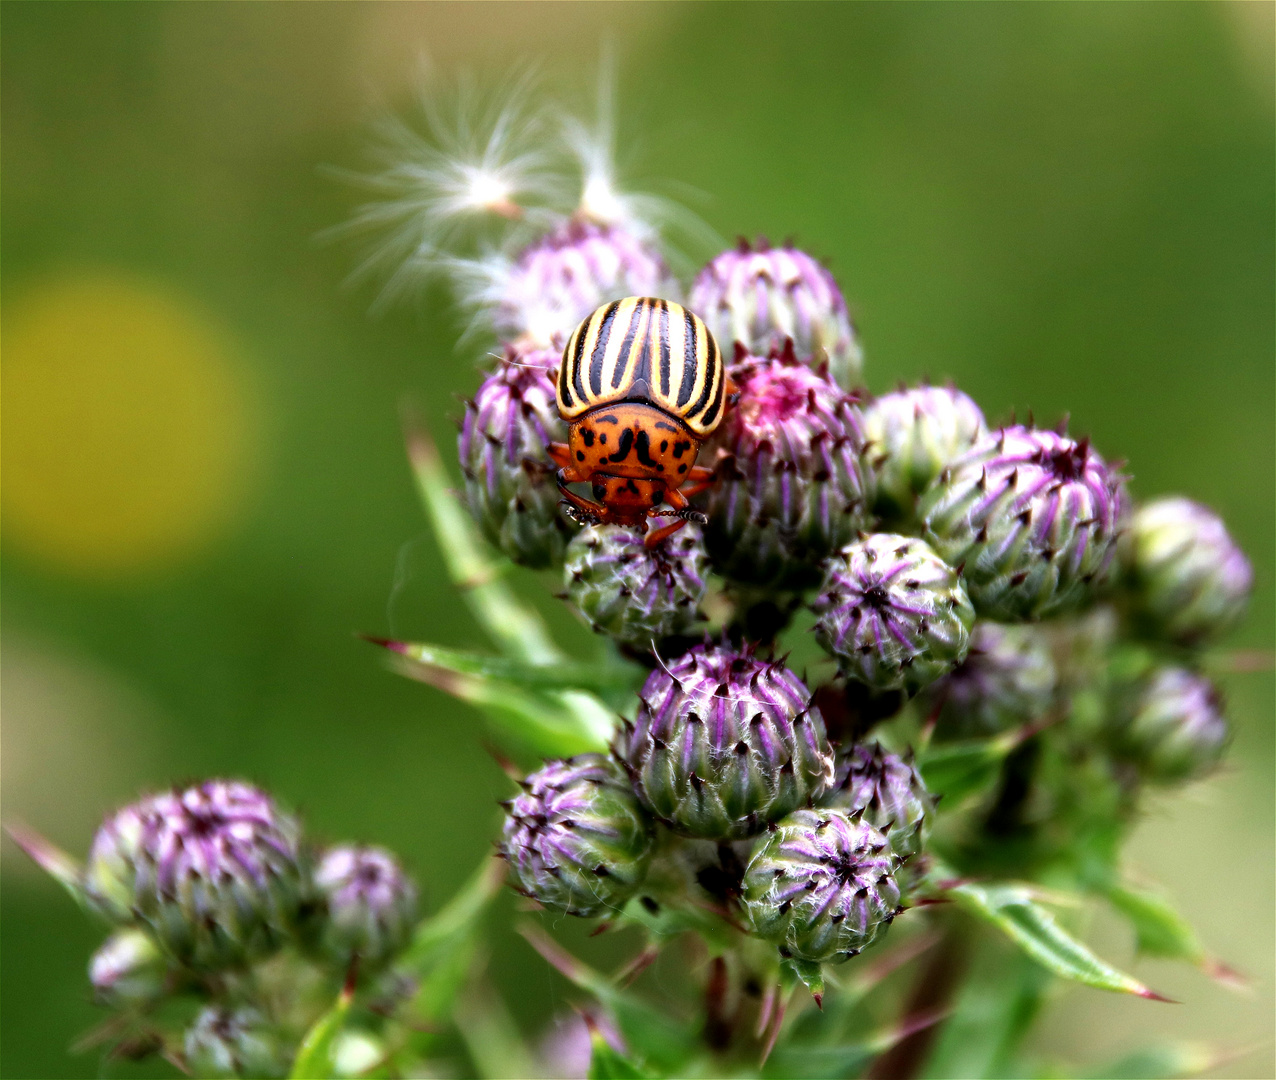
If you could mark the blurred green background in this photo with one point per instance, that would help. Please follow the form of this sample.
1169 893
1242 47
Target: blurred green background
1064 207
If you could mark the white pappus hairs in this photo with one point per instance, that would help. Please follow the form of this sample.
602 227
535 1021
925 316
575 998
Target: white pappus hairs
477 175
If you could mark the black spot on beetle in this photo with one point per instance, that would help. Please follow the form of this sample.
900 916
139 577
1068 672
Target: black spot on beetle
603 438
610 418
681 447
664 445
642 446
588 435
626 444
682 468
580 455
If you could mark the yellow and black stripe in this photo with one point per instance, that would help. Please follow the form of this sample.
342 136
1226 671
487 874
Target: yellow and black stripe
644 350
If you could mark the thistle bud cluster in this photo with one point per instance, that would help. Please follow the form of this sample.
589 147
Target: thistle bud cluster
211 887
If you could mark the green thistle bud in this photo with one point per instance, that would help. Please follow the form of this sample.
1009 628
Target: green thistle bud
1187 580
1171 725
888 791
821 886
725 743
893 613
233 1042
1032 518
369 905
129 969
504 453
912 436
1007 679
214 871
635 594
576 840
790 485
762 296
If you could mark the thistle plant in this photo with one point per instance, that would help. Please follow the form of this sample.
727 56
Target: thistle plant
1016 657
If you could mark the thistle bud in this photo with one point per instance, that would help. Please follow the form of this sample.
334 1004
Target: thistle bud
1032 517
214 871
725 743
1172 726
821 886
576 839
1007 679
1187 580
559 279
129 969
911 436
635 594
790 484
888 791
368 906
893 613
233 1042
762 296
509 477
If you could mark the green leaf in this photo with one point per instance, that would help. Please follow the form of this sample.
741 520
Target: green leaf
1012 909
606 1064
560 675
1160 930
540 722
516 628
490 1034
314 1056
662 1042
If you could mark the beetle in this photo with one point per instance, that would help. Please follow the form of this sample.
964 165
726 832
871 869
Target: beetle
641 386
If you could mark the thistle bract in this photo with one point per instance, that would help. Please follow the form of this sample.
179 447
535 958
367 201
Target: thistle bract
233 1042
576 840
888 791
213 871
762 296
911 436
368 905
725 743
509 478
1172 726
893 613
1007 679
560 278
129 969
790 484
635 594
1187 580
821 886
1031 517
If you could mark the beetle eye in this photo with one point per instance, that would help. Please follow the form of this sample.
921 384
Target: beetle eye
600 492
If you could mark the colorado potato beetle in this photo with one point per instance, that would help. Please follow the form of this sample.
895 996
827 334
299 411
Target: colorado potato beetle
641 386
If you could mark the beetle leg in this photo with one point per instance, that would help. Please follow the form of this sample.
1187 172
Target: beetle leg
561 455
654 539
577 507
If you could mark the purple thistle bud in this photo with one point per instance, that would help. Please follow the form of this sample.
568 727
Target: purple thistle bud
1187 580
1032 517
1007 679
576 840
888 791
1171 726
762 296
893 613
725 743
635 594
821 886
509 477
559 279
214 871
369 905
129 969
233 1042
790 484
911 436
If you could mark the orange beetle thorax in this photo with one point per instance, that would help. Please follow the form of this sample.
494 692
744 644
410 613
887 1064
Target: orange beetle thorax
640 442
